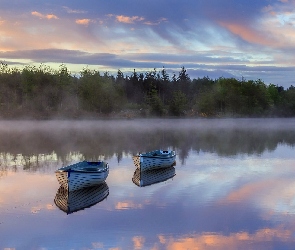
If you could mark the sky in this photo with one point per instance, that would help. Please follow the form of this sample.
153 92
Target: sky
244 39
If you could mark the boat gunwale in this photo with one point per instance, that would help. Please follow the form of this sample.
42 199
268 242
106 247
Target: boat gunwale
157 156
81 171
150 155
78 169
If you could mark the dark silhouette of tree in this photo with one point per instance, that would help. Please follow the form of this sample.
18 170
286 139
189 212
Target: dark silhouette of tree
288 102
134 91
154 102
178 103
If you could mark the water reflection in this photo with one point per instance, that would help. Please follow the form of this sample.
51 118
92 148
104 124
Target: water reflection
73 201
226 137
235 190
36 162
267 238
153 176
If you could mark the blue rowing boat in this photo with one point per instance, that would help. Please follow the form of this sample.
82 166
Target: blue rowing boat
82 174
154 159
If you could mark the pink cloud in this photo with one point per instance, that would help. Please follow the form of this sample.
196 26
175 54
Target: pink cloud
48 16
29 34
247 33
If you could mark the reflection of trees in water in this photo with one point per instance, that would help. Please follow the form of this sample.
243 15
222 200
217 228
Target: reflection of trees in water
235 142
33 162
69 144
4 167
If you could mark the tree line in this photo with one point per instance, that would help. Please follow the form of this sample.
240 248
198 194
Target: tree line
43 93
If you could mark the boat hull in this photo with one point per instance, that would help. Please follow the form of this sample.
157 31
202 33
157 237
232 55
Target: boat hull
77 179
149 162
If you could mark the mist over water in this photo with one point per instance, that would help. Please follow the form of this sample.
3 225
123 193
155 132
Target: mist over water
108 137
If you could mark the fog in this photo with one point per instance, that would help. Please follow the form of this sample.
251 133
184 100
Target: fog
95 139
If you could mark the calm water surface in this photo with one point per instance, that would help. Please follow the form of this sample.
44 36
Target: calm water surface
233 186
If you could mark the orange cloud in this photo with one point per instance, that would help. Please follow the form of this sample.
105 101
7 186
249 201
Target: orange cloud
83 21
48 16
51 16
247 34
162 239
138 242
126 19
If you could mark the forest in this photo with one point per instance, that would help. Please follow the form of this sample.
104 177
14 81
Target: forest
44 93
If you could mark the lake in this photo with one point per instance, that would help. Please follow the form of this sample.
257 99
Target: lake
233 185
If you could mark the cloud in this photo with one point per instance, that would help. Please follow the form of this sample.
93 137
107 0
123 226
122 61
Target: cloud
140 59
71 11
138 242
48 16
267 8
127 19
247 33
198 64
156 22
83 21
214 36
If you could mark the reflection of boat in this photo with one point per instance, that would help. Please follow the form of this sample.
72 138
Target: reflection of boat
72 201
149 177
154 159
82 174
